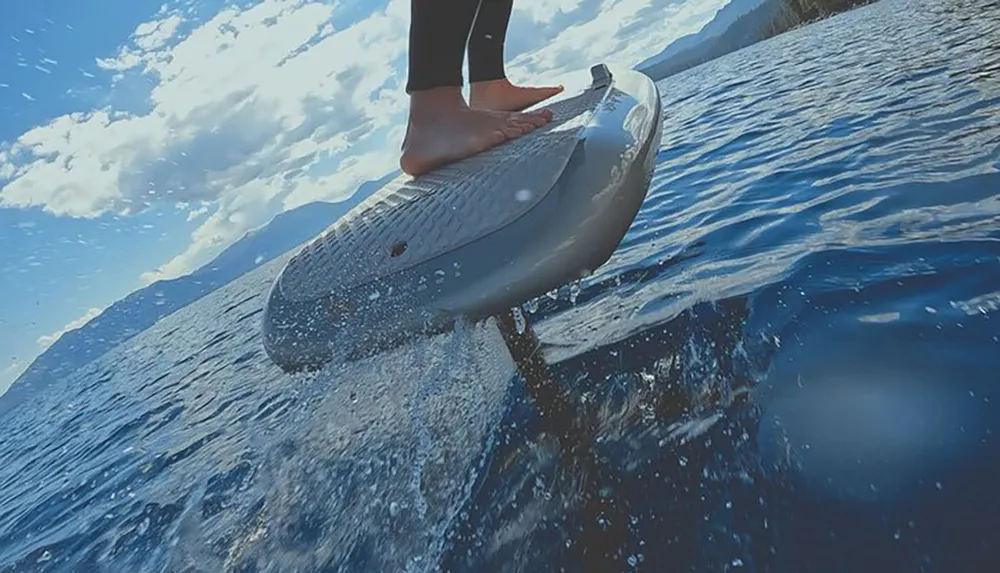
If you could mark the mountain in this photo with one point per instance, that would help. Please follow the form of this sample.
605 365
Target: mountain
765 20
141 309
723 19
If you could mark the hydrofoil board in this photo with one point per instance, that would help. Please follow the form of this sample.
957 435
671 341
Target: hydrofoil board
474 238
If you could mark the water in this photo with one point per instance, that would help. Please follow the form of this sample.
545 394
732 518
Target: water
789 365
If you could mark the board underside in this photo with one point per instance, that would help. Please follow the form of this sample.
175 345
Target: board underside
413 220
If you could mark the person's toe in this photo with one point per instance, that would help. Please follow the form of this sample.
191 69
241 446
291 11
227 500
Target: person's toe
494 137
520 123
514 129
536 118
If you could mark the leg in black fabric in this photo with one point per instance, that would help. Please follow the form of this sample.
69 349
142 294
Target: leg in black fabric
486 42
442 128
490 87
439 33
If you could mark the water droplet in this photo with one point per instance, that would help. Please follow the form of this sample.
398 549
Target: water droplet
519 322
531 306
524 195
394 509
737 562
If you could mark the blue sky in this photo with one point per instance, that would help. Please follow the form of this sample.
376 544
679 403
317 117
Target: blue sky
139 139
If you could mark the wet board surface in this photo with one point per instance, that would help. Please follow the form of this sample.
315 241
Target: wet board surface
412 220
478 236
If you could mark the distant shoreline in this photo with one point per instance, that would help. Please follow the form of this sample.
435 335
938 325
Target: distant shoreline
768 20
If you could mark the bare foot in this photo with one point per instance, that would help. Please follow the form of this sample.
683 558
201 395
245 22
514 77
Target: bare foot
442 129
501 95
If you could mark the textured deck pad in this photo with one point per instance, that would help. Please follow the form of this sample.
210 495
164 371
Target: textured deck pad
413 220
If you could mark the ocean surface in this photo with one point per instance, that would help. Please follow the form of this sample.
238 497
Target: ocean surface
789 365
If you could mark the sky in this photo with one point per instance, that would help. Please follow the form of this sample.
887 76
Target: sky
139 139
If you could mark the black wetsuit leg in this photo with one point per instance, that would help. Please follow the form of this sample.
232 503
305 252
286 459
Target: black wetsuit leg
486 43
439 34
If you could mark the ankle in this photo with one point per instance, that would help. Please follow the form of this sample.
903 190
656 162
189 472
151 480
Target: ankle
431 103
488 86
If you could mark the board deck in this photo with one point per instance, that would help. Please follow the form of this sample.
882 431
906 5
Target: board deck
475 237
438 212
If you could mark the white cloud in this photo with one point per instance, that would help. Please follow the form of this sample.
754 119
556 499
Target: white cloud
47 340
152 35
12 369
360 167
266 107
547 10
196 213
622 32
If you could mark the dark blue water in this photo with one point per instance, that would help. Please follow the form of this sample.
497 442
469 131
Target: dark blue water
790 365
